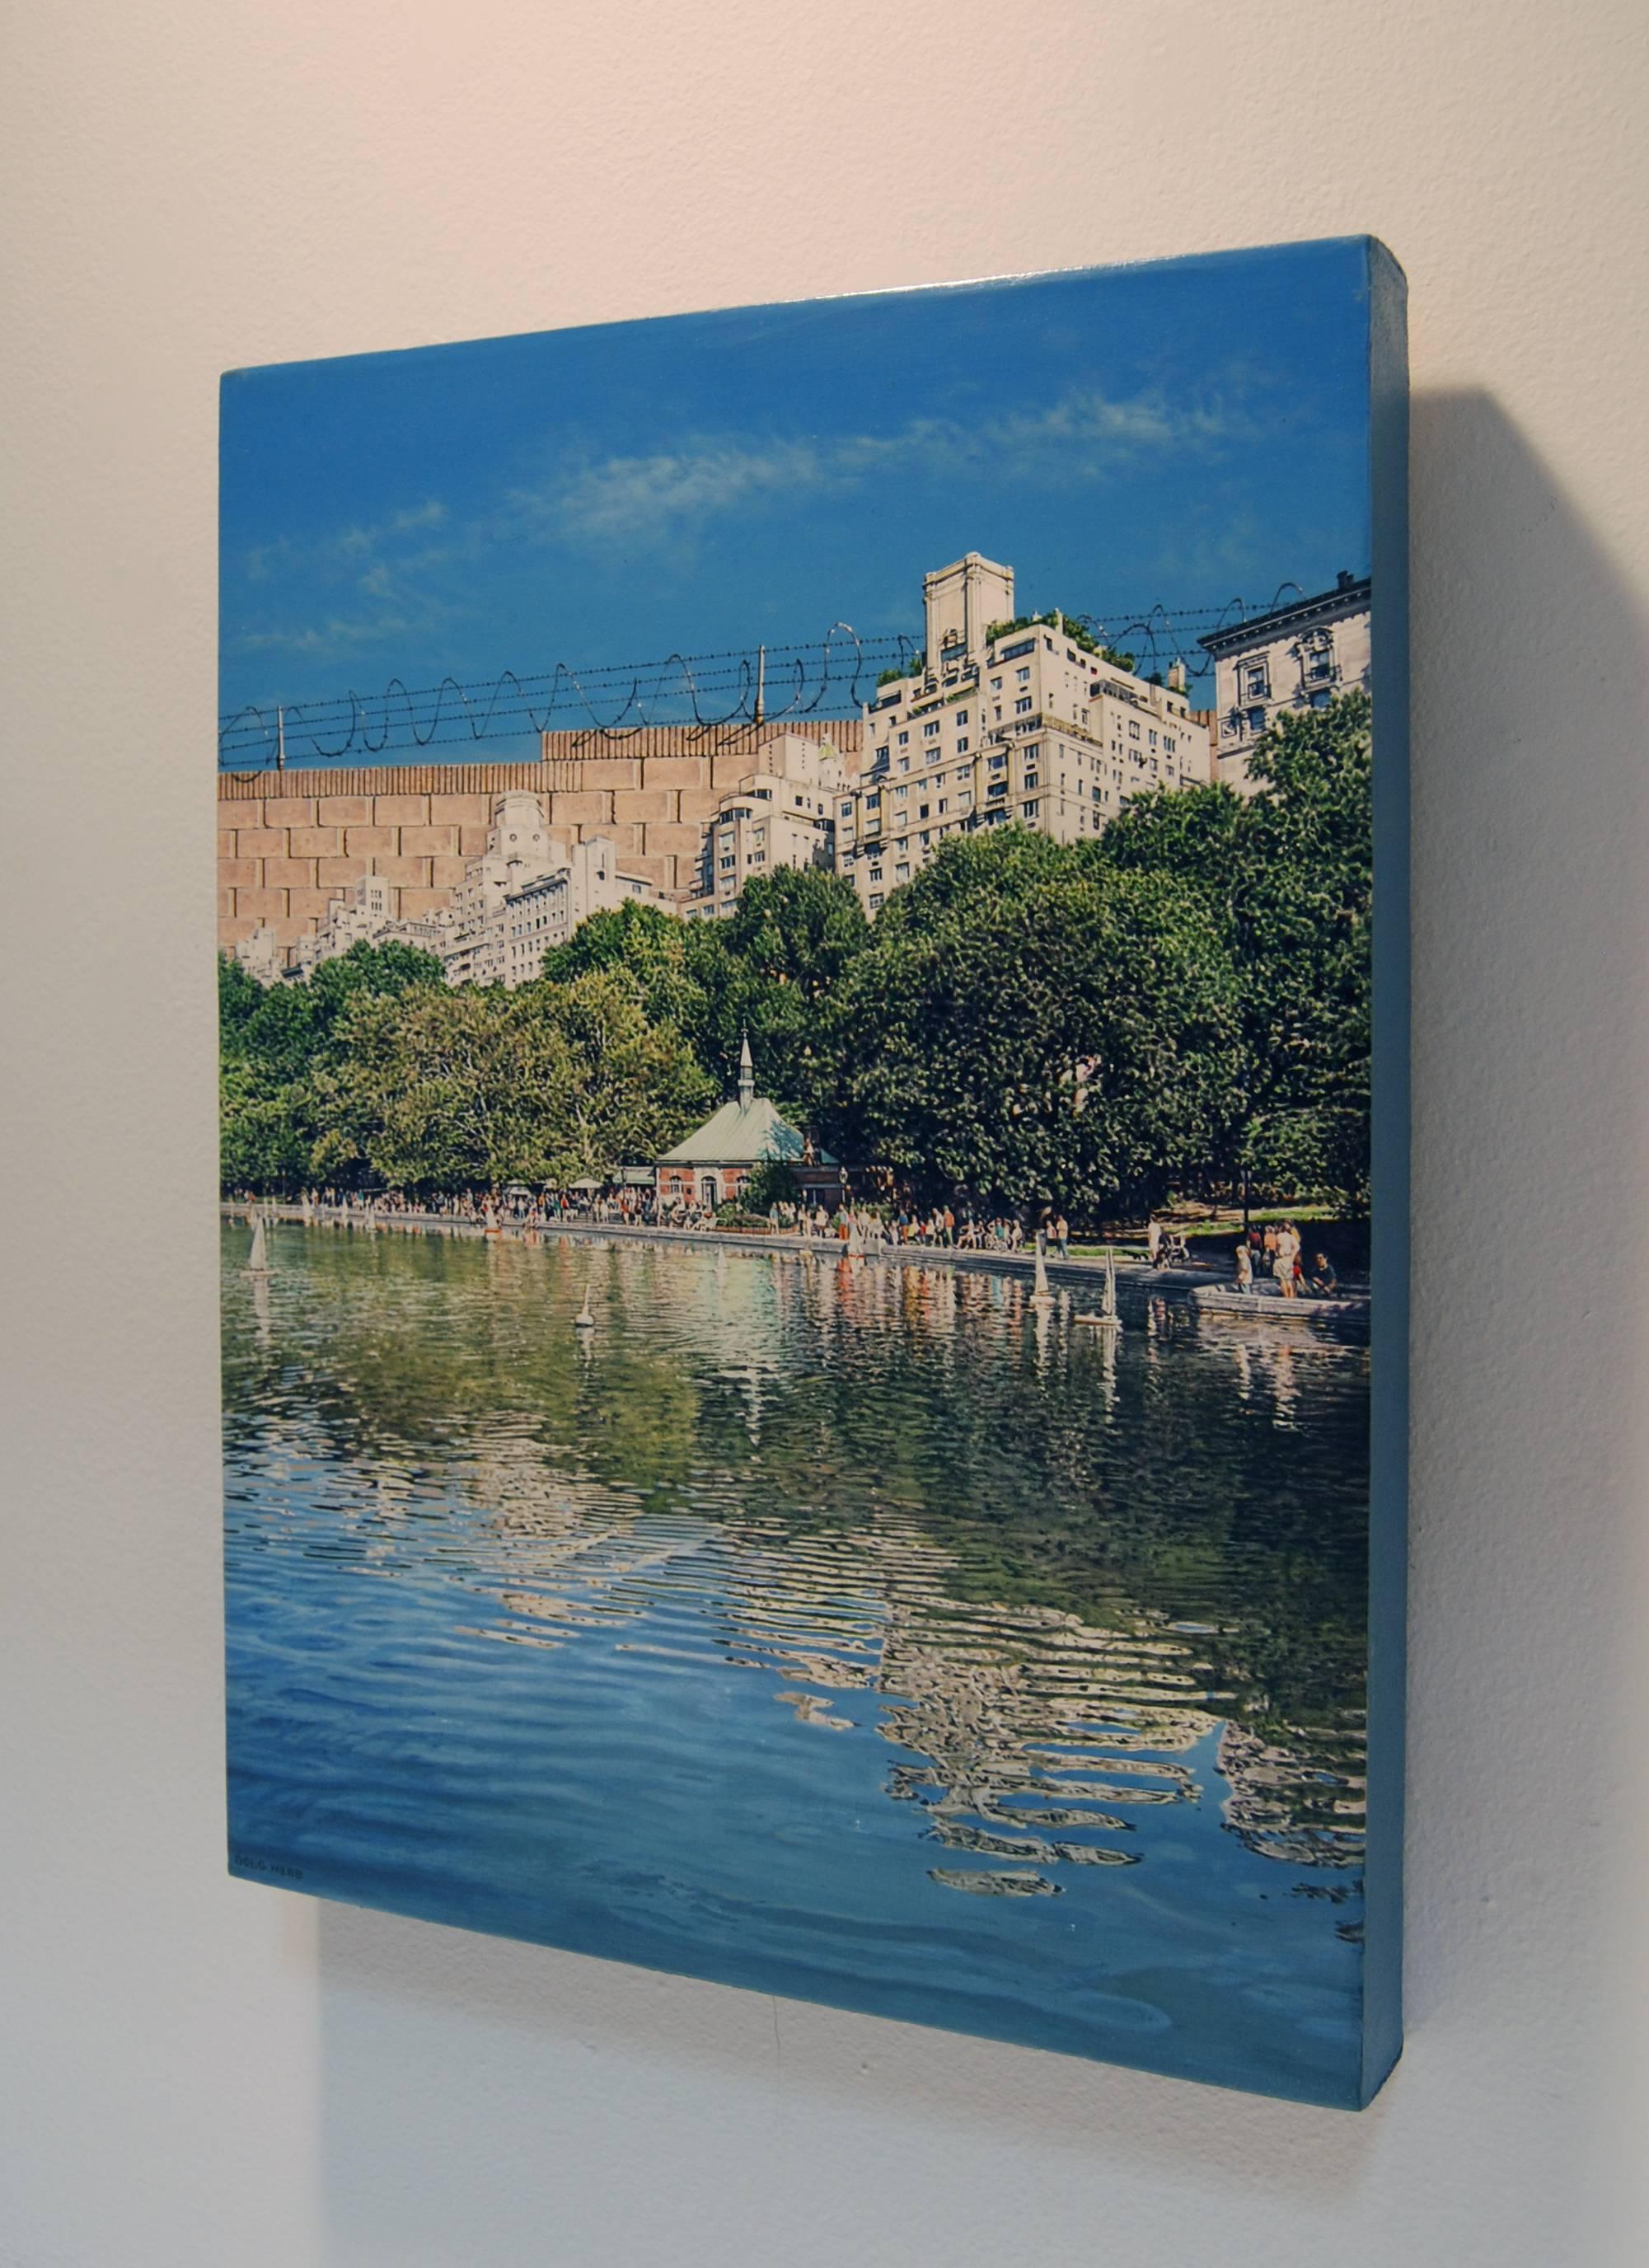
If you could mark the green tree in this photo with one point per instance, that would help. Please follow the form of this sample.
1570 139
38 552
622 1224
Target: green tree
240 996
265 1129
771 971
1193 833
649 945
557 1083
1303 906
274 1040
1290 867
1036 1031
772 1182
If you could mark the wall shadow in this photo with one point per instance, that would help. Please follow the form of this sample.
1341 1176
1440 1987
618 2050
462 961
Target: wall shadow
1528 1555
487 2100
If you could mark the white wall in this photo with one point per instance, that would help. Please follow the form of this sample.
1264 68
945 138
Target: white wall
198 2073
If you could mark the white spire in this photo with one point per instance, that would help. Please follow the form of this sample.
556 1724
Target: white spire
746 1076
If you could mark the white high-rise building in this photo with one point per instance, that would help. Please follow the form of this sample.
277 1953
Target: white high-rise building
545 911
363 914
783 815
261 955
528 892
1006 718
520 850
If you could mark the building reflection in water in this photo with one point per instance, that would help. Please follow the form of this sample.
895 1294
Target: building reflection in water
1031 1740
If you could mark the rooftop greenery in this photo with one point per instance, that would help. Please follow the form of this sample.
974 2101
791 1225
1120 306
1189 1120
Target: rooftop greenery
1061 624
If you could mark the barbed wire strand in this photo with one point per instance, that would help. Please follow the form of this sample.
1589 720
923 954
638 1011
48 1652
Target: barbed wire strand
719 690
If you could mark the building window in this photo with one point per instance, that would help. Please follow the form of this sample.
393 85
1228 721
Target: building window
1024 675
876 873
904 739
1256 720
847 811
961 718
1031 780
904 763
1256 681
1021 707
930 730
961 745
876 900
926 838
901 873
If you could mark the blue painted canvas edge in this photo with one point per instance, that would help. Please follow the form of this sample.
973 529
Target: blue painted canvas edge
1389 1411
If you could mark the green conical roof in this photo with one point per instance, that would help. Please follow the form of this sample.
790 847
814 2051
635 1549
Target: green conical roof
742 1133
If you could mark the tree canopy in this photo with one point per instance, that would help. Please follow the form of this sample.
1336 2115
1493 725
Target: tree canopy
1177 1002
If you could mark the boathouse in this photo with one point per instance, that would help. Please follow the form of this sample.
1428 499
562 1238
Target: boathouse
712 1166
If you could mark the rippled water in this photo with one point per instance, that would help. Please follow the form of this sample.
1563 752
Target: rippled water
838 1630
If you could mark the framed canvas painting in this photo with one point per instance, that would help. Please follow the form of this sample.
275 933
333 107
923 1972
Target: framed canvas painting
812 964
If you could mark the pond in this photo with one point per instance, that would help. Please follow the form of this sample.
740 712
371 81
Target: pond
835 1628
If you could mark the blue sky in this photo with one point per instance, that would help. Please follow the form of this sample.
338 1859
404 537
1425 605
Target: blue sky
1184 433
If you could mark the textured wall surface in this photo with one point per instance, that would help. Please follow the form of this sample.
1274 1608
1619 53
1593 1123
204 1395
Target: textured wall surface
199 2072
288 843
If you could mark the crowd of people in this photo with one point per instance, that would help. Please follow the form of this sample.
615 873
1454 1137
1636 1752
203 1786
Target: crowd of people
1276 1251
1273 1251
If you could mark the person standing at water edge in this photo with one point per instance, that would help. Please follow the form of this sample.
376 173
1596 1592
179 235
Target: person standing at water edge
1285 1260
1245 1267
1062 1235
1153 1240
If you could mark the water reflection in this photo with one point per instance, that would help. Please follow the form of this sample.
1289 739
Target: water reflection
800 1532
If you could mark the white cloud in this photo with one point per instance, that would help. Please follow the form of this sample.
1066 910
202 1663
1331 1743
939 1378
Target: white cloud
632 499
335 634
378 571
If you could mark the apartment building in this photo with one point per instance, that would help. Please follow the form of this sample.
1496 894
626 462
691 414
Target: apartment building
1286 661
1005 718
262 955
520 850
781 816
546 910
363 913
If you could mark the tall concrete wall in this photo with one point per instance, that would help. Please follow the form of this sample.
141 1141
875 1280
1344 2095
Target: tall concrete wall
287 841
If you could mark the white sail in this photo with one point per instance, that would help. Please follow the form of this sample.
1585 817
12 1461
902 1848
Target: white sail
258 1262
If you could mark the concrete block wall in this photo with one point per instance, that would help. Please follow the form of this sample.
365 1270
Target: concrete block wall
288 842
